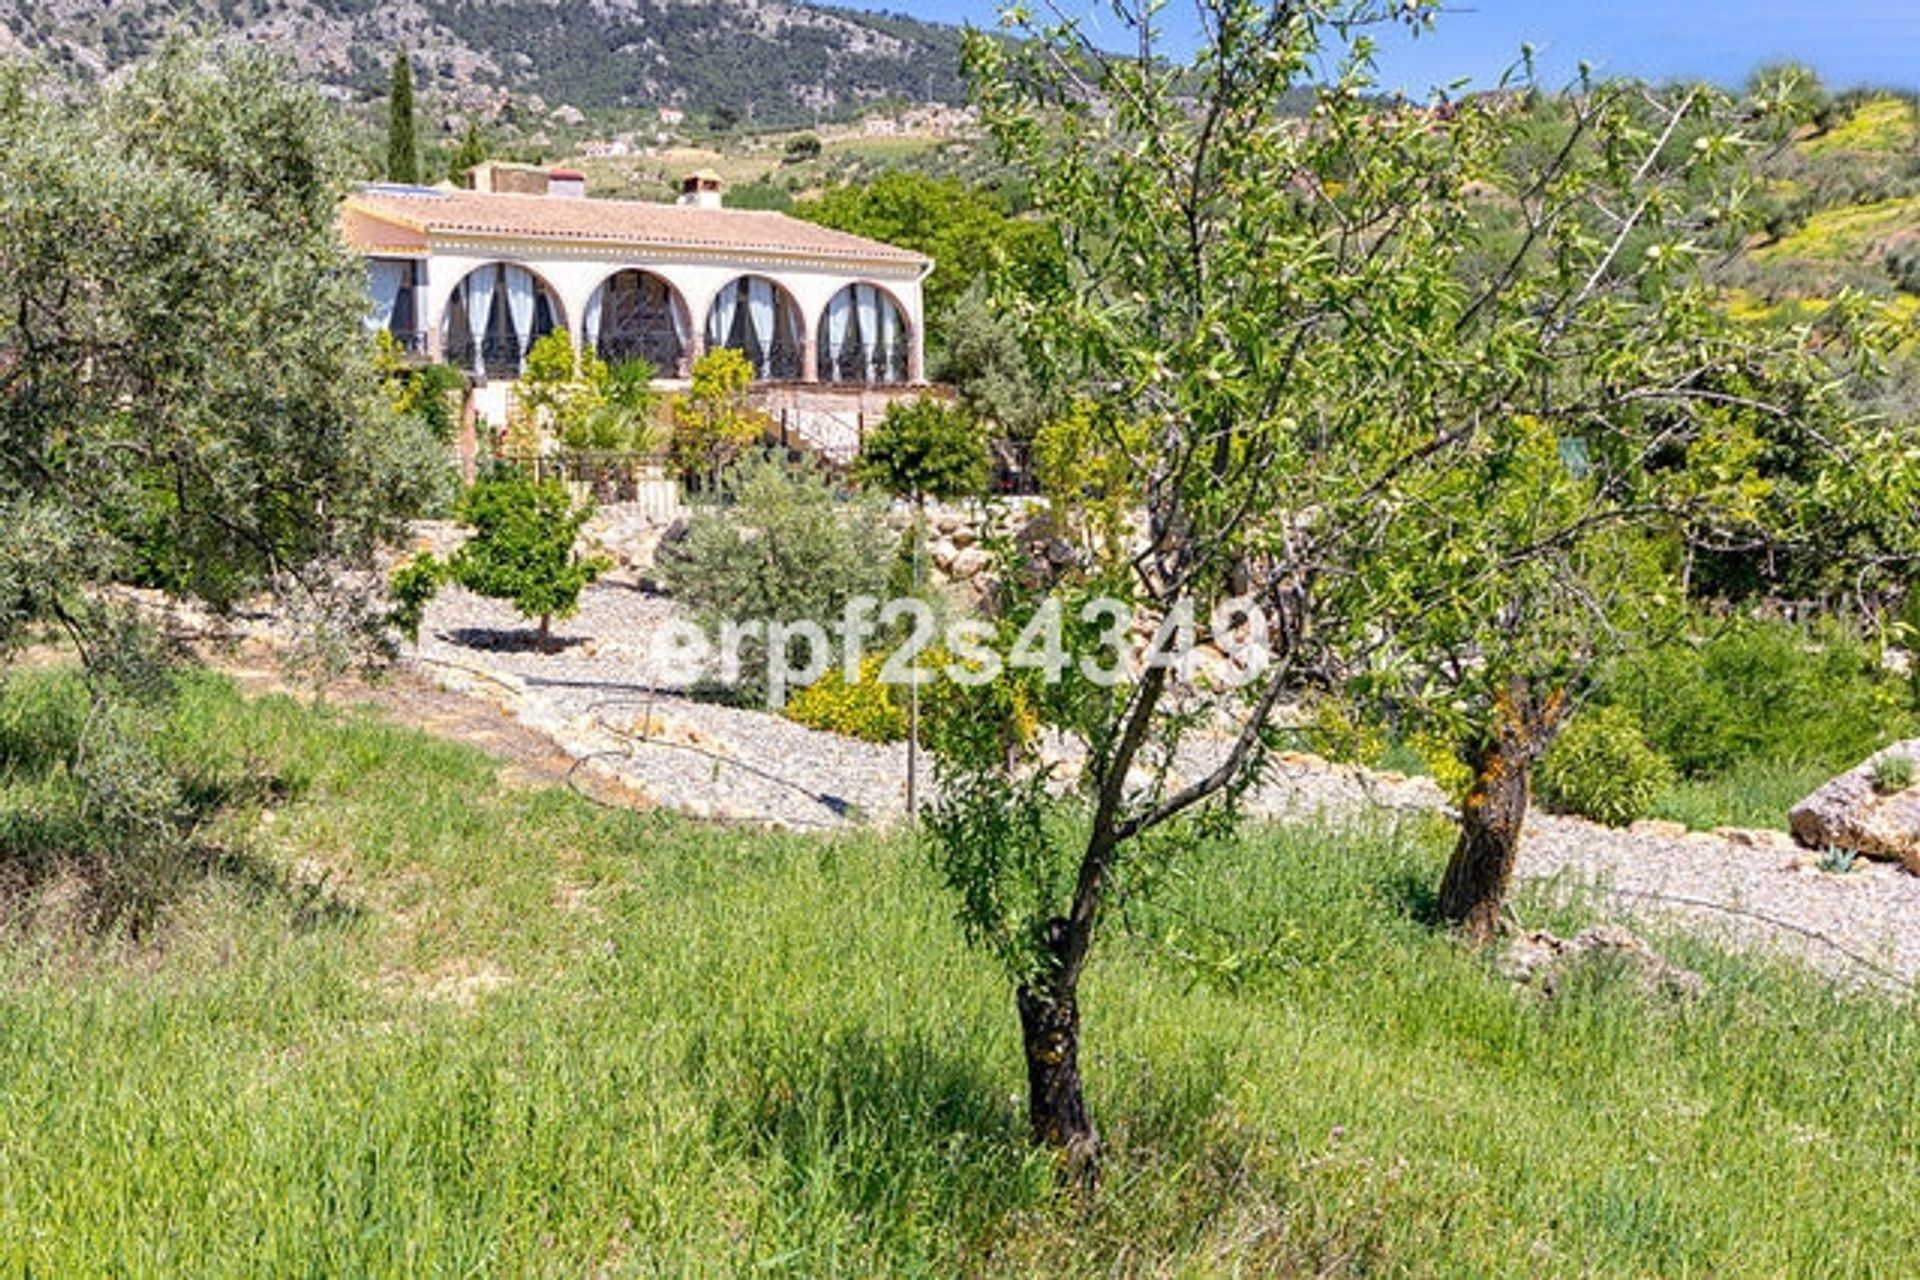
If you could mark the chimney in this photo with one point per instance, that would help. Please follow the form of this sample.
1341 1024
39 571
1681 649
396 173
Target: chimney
498 177
702 189
568 183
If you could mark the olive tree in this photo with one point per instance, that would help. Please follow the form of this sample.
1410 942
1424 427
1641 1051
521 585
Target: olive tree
1362 452
188 397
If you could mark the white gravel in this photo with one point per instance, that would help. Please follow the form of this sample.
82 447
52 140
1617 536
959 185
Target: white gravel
597 698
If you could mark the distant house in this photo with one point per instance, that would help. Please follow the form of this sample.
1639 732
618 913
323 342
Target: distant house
672 116
831 322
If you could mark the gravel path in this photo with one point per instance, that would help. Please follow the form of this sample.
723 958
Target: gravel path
597 699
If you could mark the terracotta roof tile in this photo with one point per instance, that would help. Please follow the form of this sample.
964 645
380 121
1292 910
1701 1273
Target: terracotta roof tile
638 223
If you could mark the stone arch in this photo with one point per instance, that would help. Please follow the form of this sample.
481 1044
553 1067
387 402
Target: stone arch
756 315
638 314
864 337
497 347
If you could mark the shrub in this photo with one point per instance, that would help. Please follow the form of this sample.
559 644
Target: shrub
522 547
712 425
785 551
1762 691
1602 768
864 709
1893 774
924 448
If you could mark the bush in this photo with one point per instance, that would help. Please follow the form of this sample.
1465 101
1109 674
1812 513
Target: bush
1762 691
785 551
522 547
1893 774
713 427
1602 768
923 448
864 709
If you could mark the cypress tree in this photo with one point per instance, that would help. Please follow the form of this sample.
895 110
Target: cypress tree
403 151
470 151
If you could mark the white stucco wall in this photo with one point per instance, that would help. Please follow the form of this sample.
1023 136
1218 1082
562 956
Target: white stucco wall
574 272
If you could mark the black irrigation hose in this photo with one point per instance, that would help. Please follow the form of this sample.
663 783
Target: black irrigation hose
846 810
840 808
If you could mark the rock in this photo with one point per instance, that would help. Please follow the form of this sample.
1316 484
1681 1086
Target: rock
1851 813
1658 829
1542 961
942 554
963 536
968 562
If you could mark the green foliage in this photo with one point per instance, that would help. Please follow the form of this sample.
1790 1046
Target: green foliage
454 994
981 356
783 550
403 142
801 148
469 153
412 587
1893 774
521 550
586 404
712 424
117 806
1601 767
1753 691
194 407
428 393
924 448
760 195
864 709
965 234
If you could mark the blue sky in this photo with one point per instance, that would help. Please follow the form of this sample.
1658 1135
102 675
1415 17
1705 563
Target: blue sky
1850 42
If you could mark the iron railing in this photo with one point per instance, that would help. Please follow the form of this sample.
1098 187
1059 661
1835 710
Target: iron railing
779 361
657 344
889 364
499 357
644 478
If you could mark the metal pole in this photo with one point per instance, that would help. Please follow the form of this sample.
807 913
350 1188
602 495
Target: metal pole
913 686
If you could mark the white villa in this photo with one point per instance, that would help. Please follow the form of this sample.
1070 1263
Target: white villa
830 321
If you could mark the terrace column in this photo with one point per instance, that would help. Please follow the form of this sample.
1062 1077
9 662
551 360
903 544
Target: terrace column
809 357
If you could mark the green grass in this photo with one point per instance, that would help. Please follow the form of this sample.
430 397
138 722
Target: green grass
533 1037
1755 794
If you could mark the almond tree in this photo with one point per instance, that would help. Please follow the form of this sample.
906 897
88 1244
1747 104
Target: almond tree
1395 374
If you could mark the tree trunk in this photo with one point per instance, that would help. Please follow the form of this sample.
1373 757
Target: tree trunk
545 640
1474 891
1491 818
1056 1103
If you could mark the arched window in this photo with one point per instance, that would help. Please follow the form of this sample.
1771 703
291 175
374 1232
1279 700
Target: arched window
496 314
755 316
863 337
636 315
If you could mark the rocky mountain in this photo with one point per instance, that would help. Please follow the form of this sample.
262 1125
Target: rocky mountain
765 61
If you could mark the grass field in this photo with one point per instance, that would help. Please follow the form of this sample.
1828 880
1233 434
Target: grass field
426 1023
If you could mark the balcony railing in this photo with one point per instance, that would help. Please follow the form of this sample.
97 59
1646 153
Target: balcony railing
499 357
657 344
890 364
779 362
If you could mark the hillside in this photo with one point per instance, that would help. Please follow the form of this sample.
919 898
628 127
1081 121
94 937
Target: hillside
767 61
